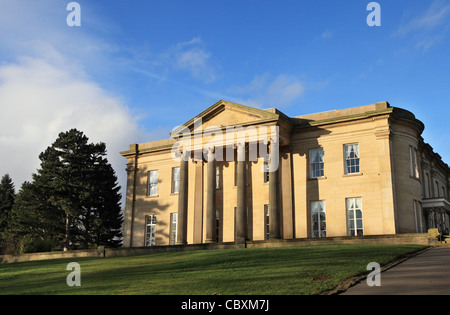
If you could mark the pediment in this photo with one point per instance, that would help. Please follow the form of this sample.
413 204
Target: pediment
225 114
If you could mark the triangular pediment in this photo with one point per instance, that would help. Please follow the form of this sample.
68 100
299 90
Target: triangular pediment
225 114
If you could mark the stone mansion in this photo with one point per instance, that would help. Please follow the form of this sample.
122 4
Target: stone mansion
358 171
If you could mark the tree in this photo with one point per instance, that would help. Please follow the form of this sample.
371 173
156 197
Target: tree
73 199
7 196
35 224
83 185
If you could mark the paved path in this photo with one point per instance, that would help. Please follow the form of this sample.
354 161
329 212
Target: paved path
426 273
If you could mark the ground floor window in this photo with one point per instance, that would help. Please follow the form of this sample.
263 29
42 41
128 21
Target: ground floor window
150 230
173 228
318 219
354 217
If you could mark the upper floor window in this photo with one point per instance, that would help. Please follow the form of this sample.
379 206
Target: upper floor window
316 164
266 169
153 183
218 177
175 180
414 167
351 156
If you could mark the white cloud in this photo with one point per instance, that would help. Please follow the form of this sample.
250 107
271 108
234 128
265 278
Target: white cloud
192 57
263 91
327 34
46 88
429 28
39 100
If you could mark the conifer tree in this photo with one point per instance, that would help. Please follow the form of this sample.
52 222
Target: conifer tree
84 186
7 196
75 193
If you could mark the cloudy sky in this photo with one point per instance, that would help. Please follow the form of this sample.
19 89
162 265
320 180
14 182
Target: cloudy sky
136 69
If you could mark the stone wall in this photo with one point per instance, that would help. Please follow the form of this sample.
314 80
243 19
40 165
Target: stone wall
419 239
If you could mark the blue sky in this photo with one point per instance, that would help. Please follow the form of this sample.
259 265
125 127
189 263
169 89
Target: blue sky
136 69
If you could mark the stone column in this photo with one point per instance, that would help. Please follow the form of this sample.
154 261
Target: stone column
241 209
211 197
274 208
183 200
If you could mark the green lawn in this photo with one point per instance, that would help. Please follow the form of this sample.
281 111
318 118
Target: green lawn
288 270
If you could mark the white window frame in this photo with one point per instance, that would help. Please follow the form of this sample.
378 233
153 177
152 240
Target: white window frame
175 180
355 161
316 167
173 228
353 205
150 230
318 212
153 183
217 177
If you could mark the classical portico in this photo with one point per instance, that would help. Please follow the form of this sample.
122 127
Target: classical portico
241 146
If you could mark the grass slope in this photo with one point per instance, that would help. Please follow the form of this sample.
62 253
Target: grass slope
276 271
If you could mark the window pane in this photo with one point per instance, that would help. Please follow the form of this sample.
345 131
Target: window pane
316 163
351 155
153 177
359 224
176 187
318 219
153 183
354 219
358 214
175 179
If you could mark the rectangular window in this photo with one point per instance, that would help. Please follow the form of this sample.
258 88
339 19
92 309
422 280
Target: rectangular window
266 222
217 177
318 219
150 230
153 183
173 228
354 217
316 165
414 167
417 206
266 169
351 156
427 185
175 180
